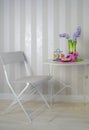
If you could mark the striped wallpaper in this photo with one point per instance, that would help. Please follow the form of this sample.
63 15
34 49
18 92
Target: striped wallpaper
33 27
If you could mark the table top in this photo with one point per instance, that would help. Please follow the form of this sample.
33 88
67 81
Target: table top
51 62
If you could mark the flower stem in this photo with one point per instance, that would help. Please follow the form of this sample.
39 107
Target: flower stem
72 46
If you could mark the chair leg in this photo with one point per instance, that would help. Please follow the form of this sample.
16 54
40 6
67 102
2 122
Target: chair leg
43 98
18 100
10 106
28 117
14 102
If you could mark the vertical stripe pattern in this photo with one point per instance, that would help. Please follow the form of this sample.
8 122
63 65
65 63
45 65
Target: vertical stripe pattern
33 26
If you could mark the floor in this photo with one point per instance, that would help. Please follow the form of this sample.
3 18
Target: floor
61 116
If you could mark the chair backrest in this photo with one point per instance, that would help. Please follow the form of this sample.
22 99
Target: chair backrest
15 64
12 57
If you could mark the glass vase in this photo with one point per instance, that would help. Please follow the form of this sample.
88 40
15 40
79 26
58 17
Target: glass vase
72 46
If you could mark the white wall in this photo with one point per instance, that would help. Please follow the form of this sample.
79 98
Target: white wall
33 26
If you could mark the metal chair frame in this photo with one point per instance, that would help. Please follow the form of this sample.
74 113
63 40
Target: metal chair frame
19 57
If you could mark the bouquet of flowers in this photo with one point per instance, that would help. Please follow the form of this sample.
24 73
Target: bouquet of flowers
72 41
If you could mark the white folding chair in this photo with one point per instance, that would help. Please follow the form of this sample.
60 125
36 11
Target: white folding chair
30 81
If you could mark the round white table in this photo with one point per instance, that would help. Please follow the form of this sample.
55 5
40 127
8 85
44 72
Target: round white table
51 65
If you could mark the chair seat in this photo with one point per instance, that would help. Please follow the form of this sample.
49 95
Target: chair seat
32 79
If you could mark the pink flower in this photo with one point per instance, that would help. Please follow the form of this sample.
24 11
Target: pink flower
72 57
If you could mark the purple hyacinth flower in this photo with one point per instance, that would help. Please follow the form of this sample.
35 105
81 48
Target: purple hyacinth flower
79 28
67 36
74 37
78 32
62 35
